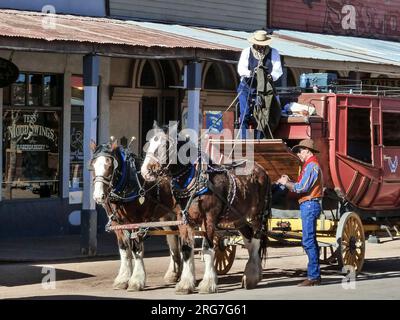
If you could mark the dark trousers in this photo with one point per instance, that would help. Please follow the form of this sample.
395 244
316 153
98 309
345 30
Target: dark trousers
246 94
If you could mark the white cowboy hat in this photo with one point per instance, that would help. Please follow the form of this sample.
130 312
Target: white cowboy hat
260 38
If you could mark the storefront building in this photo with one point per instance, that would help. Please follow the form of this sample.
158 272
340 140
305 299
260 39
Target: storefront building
141 78
43 110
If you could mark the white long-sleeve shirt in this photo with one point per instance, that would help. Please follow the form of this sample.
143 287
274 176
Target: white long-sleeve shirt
243 65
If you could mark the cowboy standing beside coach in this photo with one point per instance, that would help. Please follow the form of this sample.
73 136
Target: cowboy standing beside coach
310 186
259 55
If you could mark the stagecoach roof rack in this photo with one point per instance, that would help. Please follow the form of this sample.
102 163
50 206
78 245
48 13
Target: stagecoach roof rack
356 89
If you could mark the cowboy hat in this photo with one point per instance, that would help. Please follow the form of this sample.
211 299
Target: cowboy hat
307 144
260 38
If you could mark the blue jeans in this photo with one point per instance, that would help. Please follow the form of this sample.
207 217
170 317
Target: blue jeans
310 211
245 95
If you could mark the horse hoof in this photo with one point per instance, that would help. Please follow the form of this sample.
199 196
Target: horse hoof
171 278
208 290
248 283
135 287
184 291
120 285
207 287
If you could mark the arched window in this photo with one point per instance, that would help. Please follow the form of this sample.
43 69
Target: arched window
219 77
169 74
147 77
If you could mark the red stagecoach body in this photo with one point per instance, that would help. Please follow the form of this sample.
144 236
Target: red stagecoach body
359 141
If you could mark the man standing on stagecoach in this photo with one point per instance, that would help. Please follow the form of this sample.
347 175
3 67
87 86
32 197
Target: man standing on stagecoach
310 186
259 57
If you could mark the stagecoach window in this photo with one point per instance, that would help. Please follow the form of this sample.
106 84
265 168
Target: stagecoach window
391 132
359 134
31 137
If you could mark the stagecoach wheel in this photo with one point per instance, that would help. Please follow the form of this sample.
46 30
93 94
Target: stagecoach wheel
224 255
350 238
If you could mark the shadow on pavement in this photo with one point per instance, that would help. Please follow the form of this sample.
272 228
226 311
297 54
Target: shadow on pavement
69 297
21 275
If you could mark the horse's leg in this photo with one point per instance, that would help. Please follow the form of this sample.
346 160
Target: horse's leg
138 278
187 283
253 270
125 269
210 279
175 265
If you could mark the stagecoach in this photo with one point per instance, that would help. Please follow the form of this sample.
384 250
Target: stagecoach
359 141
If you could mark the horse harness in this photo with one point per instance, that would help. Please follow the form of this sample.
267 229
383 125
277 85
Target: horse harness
198 183
127 188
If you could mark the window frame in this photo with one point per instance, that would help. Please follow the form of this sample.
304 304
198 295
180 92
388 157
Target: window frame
383 128
31 108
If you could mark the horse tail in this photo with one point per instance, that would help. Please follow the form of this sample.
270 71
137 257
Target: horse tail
264 225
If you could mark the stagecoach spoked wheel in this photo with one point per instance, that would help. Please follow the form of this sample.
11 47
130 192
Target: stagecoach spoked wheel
350 238
224 254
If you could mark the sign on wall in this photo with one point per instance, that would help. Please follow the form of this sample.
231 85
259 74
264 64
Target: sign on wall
361 18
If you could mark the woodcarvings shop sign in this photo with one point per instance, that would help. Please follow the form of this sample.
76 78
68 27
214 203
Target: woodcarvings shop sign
378 19
8 72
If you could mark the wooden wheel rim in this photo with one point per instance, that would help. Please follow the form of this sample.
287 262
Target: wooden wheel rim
224 255
351 241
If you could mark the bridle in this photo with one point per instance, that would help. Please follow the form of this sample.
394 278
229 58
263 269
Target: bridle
106 180
151 154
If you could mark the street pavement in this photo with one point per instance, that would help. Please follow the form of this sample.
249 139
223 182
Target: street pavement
92 278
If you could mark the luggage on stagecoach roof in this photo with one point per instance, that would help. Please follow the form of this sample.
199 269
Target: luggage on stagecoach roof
321 80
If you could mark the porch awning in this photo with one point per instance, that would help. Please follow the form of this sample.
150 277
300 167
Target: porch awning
77 34
68 33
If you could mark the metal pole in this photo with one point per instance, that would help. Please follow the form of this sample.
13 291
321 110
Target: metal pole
1 140
89 213
193 81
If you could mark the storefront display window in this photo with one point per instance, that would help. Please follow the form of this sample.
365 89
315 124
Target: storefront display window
31 139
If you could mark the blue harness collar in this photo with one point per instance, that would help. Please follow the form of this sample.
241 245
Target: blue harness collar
125 178
177 188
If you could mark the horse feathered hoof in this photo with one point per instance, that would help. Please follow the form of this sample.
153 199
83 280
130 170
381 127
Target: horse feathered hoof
120 285
208 286
134 287
184 288
171 278
184 291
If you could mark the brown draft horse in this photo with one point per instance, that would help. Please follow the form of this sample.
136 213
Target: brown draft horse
120 189
206 199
